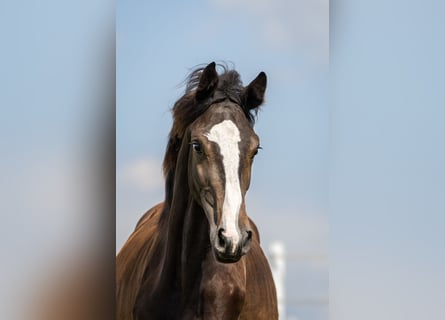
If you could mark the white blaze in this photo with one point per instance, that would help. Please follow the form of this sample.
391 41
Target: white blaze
226 135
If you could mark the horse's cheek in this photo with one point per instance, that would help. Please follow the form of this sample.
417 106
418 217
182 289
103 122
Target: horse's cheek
201 175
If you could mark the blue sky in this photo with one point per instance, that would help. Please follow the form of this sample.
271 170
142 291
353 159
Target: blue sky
159 43
387 176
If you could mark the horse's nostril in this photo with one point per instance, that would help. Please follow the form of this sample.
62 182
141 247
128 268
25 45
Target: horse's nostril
249 235
221 239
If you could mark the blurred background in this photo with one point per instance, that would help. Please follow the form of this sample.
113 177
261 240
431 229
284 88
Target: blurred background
157 44
366 146
57 167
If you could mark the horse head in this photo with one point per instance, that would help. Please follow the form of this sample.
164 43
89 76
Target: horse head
222 145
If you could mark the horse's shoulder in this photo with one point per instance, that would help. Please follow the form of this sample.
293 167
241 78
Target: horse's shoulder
133 260
261 299
151 214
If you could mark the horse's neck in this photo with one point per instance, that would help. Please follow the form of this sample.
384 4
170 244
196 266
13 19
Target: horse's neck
195 244
186 243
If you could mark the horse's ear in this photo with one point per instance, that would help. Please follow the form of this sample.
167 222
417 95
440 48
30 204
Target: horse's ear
254 92
207 82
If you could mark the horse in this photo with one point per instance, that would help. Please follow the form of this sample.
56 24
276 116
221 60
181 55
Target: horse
197 254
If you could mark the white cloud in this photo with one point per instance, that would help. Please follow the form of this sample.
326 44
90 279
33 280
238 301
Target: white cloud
143 174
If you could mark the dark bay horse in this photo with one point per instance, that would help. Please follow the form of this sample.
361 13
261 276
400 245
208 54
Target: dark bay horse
197 255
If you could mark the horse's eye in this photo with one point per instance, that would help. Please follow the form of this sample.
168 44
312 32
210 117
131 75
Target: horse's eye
197 147
256 151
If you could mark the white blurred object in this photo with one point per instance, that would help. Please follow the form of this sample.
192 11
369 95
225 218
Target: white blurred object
277 254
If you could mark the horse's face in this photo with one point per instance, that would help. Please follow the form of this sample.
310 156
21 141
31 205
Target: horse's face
222 147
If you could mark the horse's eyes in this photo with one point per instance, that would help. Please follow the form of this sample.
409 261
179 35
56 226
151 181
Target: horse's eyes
256 151
197 147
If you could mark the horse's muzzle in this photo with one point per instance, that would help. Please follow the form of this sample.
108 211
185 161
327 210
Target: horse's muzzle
230 249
